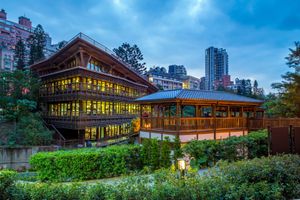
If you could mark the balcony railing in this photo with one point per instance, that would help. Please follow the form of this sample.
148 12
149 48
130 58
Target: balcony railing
193 123
83 116
76 88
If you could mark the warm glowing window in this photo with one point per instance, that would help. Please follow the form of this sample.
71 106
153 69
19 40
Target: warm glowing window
93 133
88 107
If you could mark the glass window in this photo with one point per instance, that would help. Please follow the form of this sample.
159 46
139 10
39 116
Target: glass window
188 111
206 111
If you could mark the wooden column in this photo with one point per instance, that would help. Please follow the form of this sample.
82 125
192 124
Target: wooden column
178 111
242 116
141 115
214 121
228 111
81 57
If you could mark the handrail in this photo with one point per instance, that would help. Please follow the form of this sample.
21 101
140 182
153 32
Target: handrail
87 88
193 123
57 131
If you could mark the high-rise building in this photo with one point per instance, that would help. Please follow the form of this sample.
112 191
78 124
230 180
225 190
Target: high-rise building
177 70
216 65
202 83
159 77
10 33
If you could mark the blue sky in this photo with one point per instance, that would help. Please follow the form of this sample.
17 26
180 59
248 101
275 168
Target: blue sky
256 33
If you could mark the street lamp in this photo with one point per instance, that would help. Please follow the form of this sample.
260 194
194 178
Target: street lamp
181 166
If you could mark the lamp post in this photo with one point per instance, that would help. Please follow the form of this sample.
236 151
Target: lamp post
181 166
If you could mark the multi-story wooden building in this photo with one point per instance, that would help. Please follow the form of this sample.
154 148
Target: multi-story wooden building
87 92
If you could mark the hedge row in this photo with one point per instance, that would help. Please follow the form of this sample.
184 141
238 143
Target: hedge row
276 177
96 163
208 152
85 164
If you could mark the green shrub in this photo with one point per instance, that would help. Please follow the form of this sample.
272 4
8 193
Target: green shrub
276 177
84 164
39 191
7 179
207 152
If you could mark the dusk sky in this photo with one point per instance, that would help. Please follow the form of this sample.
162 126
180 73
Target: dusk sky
256 33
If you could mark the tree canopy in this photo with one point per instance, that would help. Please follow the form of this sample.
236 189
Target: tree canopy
19 55
36 44
287 102
18 106
133 56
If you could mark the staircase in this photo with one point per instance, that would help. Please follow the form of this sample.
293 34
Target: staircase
58 138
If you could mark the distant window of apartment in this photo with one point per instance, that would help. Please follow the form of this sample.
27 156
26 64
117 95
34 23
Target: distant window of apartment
7 61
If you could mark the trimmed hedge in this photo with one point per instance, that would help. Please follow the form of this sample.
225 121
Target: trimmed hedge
96 163
276 177
84 164
208 152
7 179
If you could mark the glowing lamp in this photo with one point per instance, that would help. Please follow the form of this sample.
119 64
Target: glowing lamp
181 164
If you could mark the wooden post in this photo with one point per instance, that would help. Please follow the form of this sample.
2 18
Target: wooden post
178 111
242 117
141 116
269 140
228 111
214 121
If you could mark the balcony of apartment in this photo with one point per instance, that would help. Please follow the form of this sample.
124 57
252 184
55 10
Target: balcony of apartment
79 91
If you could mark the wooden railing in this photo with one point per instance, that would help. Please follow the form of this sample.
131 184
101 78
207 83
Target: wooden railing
193 123
77 88
264 123
83 116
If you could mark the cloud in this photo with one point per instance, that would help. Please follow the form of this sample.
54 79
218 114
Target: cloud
256 34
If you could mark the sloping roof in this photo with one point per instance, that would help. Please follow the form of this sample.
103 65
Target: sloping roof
83 41
185 94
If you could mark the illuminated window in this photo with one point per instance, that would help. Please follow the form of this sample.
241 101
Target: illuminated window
88 107
94 103
93 133
87 134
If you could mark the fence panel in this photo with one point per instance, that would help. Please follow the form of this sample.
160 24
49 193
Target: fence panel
297 140
280 140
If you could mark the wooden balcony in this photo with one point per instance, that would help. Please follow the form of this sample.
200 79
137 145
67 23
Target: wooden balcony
81 121
85 91
193 124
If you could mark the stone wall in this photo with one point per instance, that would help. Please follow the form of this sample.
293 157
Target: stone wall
18 157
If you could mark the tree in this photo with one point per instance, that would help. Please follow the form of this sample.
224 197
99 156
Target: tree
177 150
155 154
18 102
19 55
165 160
61 44
133 56
36 44
255 84
274 106
289 88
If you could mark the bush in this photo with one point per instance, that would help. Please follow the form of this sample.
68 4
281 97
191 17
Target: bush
276 177
207 152
7 179
39 191
84 164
